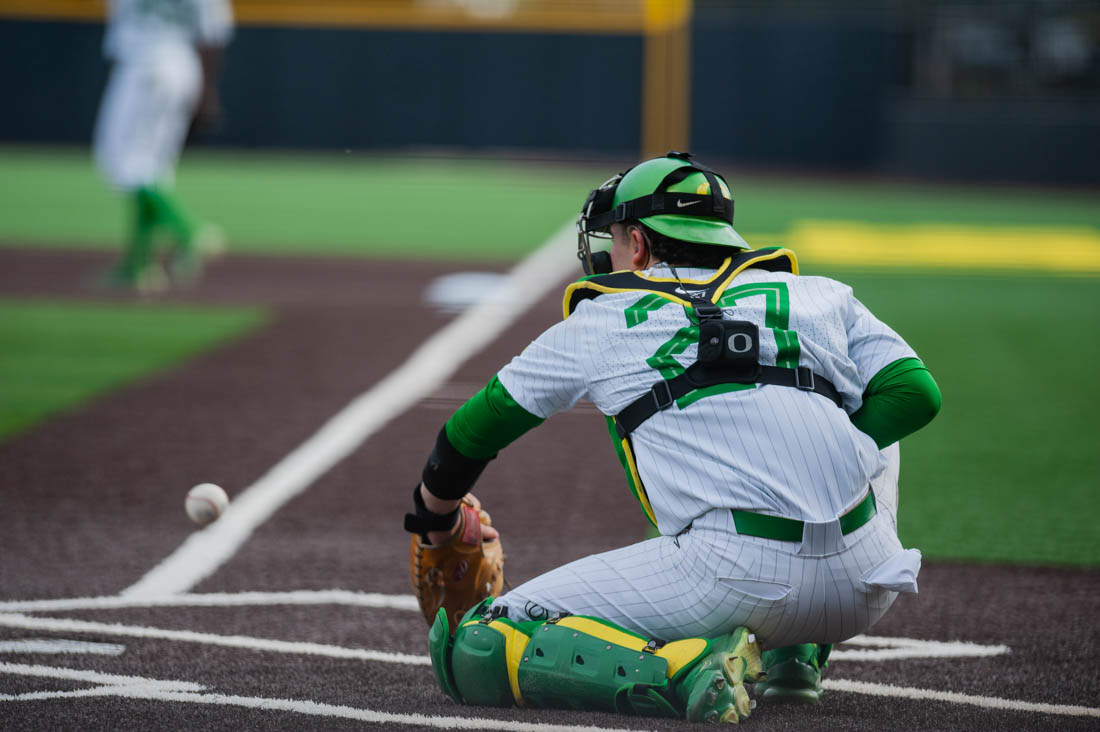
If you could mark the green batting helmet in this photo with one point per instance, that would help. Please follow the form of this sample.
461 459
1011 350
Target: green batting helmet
673 195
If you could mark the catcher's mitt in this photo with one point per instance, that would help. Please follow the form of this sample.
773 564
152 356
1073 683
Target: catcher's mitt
460 573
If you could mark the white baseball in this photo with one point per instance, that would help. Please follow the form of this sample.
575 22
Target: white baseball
205 502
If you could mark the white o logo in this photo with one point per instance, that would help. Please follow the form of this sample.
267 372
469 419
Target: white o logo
739 343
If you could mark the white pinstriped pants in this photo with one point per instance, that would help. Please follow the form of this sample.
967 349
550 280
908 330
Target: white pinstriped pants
710 580
145 112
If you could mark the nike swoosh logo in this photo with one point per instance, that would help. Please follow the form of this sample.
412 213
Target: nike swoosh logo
681 204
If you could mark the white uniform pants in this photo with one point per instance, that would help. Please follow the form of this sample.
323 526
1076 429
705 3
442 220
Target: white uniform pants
710 580
145 113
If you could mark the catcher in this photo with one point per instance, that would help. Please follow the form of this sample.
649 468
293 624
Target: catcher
756 414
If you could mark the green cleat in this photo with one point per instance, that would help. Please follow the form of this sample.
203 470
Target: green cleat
716 686
793 674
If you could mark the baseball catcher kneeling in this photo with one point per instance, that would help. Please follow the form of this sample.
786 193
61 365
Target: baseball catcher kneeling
756 414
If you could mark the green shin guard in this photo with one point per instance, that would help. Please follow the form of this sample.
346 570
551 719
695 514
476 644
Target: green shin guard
565 666
794 674
472 664
578 662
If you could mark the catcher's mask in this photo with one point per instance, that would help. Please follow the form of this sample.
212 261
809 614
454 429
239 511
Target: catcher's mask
673 195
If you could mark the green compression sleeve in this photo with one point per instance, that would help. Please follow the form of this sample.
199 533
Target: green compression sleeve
490 420
899 400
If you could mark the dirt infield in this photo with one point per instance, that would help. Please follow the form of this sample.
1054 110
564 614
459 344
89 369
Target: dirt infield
93 500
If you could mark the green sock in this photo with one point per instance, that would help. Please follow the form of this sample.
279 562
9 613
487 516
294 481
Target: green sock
823 655
168 213
810 653
139 248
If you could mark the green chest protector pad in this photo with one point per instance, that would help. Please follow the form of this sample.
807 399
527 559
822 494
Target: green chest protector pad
729 350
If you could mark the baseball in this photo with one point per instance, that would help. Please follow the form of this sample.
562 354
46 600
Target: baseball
205 502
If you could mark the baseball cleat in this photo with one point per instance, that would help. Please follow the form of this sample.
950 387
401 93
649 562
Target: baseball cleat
793 675
717 693
148 280
210 241
207 243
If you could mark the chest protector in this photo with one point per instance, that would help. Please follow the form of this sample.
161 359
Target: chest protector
729 350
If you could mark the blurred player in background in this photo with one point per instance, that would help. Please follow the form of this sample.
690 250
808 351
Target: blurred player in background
166 56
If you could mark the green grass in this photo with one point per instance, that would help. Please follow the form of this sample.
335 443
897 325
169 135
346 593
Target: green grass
1009 470
56 356
455 208
354 204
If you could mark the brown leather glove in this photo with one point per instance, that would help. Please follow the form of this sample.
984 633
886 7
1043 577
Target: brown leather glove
461 572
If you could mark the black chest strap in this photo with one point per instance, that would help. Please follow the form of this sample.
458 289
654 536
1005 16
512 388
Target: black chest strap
663 394
697 294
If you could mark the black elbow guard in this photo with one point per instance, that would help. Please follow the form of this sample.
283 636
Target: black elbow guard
449 474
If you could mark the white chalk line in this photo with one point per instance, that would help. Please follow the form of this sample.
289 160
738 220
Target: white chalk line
986 702
301 706
137 687
219 599
95 677
61 646
73 694
895 649
68 625
918 649
913 649
143 688
887 649
429 366
894 642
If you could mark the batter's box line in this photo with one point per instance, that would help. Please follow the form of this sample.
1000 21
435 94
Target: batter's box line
893 645
884 649
218 599
951 697
182 691
896 649
136 687
270 645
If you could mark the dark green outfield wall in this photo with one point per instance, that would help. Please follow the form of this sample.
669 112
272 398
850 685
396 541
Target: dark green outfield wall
795 92
323 88
836 91
51 75
351 88
825 93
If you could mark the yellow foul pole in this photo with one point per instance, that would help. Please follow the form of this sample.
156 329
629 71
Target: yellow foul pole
666 77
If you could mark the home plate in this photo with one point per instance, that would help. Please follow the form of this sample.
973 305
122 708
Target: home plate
456 292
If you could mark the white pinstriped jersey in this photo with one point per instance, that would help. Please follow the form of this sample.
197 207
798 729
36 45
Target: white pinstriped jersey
133 24
769 449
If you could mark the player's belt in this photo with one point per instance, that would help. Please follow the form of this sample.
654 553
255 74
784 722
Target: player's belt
785 529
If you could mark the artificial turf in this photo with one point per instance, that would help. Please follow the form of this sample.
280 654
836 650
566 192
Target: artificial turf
454 207
1009 470
55 356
